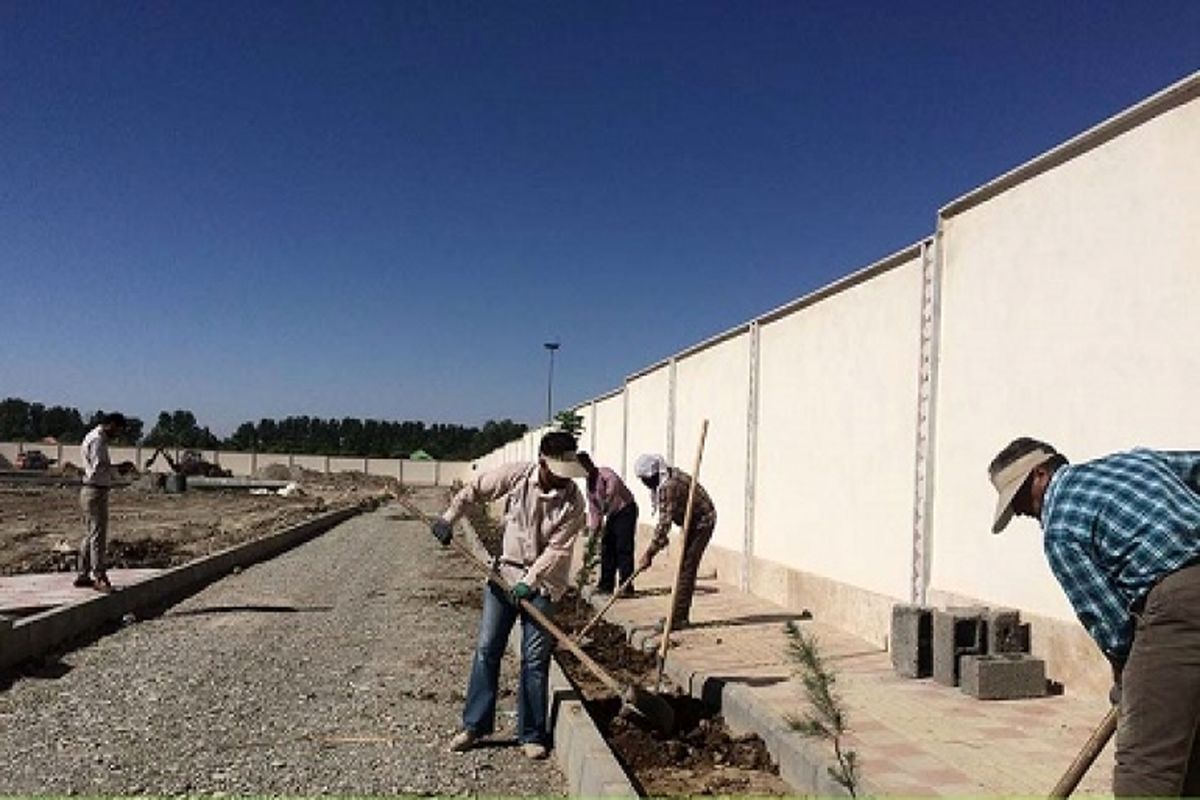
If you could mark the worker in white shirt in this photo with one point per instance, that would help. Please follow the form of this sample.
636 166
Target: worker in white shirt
544 513
93 499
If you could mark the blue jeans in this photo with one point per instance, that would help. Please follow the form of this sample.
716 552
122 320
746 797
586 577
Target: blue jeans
533 689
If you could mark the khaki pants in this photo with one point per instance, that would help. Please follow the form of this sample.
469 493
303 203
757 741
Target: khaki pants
1158 752
93 500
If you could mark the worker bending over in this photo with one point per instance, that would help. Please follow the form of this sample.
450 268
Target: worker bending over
544 512
1122 536
669 493
612 515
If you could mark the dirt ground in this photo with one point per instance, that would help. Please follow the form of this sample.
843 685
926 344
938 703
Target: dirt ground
702 757
40 525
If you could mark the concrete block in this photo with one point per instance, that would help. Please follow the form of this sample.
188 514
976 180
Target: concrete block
1005 632
957 631
911 642
1003 676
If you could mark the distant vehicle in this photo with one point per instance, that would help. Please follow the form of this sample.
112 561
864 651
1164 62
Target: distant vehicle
33 460
190 463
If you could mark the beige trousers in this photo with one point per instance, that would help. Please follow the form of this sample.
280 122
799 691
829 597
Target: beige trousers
93 501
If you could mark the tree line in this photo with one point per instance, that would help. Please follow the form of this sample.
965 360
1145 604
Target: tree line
32 422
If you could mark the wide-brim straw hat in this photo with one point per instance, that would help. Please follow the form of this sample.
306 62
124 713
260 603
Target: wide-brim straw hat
1008 480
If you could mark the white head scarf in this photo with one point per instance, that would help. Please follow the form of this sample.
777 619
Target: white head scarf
649 465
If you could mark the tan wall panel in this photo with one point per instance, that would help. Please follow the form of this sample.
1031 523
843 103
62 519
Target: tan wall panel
837 431
336 463
647 427
240 464
714 384
1069 311
610 428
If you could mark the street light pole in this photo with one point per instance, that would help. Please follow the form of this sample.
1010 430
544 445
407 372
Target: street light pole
550 346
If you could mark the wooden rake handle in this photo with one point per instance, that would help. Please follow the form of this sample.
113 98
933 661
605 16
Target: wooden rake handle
1087 756
687 524
600 615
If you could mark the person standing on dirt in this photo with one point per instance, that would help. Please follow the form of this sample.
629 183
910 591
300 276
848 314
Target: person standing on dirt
93 500
544 513
612 515
1122 536
669 493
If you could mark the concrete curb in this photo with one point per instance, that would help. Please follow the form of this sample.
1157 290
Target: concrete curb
803 763
591 768
39 634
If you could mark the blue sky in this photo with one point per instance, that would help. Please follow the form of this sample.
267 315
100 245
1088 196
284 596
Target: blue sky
383 209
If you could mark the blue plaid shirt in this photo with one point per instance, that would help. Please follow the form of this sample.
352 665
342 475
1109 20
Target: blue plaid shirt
1114 527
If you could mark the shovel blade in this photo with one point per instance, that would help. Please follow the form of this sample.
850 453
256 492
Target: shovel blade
651 707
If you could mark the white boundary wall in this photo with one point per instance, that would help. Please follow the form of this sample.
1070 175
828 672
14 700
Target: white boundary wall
850 430
432 473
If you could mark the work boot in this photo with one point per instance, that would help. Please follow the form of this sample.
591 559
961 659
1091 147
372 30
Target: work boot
534 751
463 741
83 581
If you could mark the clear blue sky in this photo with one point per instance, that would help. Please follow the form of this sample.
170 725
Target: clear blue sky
383 209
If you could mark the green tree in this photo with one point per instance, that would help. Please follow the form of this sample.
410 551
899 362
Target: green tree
569 422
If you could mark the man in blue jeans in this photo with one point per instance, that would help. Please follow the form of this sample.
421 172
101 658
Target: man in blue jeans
543 513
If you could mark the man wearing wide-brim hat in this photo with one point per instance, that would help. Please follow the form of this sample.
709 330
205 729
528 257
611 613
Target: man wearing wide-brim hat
1122 536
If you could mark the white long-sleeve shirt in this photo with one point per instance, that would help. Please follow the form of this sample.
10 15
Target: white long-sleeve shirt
540 525
97 469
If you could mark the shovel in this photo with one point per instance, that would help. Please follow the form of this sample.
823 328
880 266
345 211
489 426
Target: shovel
647 705
1087 756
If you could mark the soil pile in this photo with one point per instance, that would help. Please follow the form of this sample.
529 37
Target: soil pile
701 757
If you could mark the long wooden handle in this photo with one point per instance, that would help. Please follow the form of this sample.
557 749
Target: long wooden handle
530 609
620 590
544 622
1087 756
687 524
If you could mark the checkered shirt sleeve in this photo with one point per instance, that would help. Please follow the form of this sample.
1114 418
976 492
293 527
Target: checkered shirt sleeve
1116 526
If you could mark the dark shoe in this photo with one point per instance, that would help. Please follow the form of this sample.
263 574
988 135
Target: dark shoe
83 581
101 584
628 591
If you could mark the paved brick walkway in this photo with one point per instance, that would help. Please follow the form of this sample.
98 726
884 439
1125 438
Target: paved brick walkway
25 594
913 737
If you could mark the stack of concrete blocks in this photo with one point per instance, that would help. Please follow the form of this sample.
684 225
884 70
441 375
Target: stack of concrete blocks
984 651
912 641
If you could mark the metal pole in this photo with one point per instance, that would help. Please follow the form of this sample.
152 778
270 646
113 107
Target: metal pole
551 346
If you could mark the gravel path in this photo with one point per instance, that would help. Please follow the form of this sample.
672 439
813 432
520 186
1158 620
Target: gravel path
336 668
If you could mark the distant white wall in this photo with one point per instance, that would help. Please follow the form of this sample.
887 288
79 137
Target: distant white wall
321 464
609 434
441 473
646 424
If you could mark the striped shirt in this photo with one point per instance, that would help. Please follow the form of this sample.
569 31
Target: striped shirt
1116 526
672 506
